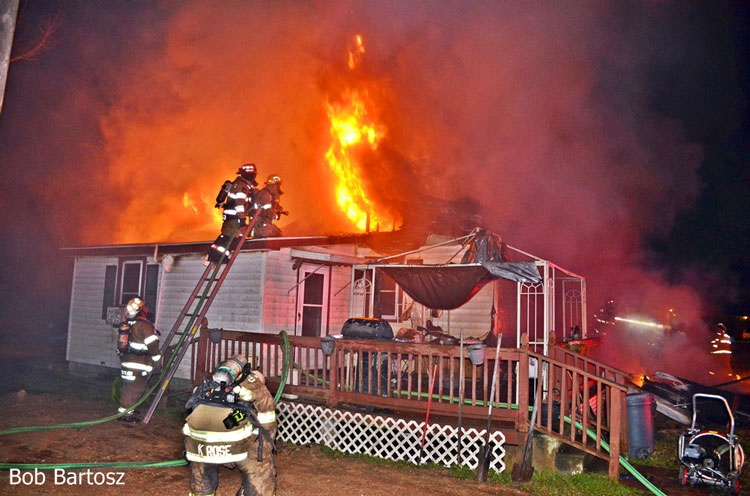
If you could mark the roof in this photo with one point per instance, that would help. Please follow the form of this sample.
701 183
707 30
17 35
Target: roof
147 249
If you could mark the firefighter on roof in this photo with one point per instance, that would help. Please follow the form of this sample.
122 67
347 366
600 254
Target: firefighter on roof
233 421
267 200
138 347
236 198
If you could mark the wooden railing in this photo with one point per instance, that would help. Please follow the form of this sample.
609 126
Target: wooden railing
577 404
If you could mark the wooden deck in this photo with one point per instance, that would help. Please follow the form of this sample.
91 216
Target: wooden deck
396 377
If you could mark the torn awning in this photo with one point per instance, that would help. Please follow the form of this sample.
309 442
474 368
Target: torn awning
446 287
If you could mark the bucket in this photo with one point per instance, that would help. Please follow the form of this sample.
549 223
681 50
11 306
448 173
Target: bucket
476 354
328 344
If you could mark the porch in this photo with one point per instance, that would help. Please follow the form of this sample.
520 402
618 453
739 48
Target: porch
580 401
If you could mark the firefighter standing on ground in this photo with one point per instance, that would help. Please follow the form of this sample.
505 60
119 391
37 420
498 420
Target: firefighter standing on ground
267 201
138 347
236 198
210 442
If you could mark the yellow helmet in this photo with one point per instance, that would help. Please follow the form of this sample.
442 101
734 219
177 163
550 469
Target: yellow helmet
273 179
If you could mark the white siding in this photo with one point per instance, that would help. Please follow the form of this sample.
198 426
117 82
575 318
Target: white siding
341 277
236 306
279 304
90 339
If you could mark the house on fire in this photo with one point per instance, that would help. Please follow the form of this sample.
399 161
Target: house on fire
309 286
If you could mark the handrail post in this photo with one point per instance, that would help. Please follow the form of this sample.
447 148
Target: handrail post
333 378
522 424
615 424
199 368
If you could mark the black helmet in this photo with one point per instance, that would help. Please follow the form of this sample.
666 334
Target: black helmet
248 172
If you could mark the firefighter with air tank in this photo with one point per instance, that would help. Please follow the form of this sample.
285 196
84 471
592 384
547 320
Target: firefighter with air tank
138 347
267 201
232 421
236 198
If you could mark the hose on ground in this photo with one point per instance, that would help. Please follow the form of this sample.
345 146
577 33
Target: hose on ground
85 465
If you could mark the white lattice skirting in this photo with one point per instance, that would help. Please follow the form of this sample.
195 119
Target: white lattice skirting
384 437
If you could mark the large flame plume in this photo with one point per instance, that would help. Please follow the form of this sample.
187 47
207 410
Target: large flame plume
353 124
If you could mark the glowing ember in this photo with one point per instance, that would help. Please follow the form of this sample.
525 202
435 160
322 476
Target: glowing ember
355 53
352 125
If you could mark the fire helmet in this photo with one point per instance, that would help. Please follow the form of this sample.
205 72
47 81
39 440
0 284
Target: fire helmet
248 171
230 369
134 307
273 179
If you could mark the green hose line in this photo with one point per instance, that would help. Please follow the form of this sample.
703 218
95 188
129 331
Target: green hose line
165 368
647 483
285 371
77 466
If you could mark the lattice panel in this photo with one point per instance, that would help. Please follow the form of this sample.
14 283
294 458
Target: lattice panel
384 437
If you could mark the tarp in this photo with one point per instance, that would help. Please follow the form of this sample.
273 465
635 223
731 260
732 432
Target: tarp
446 287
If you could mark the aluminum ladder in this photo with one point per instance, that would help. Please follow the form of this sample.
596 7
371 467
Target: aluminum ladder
207 287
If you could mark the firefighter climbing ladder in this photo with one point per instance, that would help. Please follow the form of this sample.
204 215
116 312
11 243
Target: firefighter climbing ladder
208 286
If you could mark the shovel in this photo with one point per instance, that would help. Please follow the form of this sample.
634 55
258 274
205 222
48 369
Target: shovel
485 452
525 470
427 418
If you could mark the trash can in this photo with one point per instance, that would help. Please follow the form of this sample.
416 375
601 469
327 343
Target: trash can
641 410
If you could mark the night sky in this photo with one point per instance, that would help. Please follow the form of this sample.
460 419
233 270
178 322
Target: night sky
631 115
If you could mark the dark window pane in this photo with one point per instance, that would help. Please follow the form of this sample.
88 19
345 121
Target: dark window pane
110 273
388 302
311 321
150 293
314 289
131 281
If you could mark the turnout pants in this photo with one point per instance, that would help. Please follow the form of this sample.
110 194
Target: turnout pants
132 391
258 478
226 242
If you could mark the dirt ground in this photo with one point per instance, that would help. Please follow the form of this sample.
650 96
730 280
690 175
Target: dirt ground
301 470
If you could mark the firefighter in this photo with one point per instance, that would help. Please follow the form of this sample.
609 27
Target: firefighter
236 198
233 421
267 200
138 347
721 344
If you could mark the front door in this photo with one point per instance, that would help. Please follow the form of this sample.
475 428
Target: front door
312 302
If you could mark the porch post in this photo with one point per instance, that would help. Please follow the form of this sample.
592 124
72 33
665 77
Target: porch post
614 438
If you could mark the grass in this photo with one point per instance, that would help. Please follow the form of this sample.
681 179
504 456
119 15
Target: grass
542 483
584 484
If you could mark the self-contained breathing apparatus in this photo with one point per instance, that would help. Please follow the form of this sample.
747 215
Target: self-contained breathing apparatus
223 193
124 334
221 393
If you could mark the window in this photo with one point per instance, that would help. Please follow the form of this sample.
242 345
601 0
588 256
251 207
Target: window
129 281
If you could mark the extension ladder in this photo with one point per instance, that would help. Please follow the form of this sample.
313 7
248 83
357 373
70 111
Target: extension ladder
208 286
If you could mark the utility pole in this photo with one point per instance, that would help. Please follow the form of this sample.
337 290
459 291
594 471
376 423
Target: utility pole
8 13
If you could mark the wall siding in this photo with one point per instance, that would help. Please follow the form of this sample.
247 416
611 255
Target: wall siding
90 339
255 297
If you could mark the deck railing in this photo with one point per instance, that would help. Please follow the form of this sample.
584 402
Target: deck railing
577 402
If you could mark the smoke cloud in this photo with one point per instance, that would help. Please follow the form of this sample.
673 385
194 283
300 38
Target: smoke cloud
540 112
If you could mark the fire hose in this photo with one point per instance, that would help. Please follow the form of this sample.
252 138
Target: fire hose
85 465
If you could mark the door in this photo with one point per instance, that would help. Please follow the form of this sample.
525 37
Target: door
312 303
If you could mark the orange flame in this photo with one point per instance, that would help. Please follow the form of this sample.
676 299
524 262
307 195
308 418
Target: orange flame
352 125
